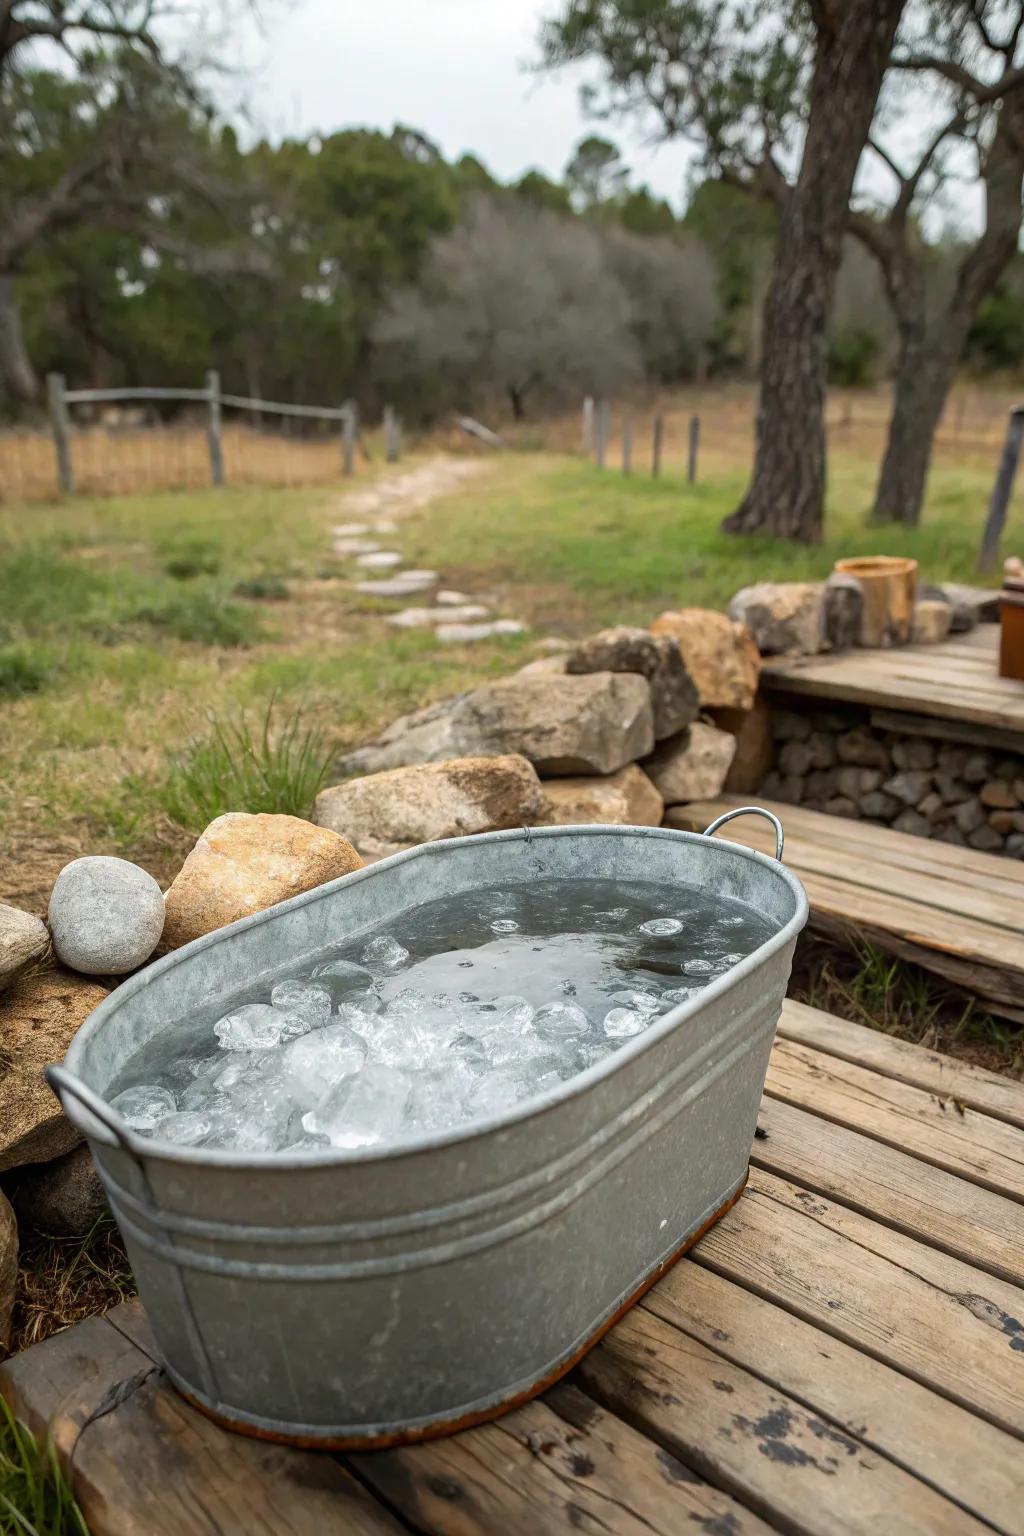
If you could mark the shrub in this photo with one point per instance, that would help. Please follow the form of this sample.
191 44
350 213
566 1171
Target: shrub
245 766
191 558
23 669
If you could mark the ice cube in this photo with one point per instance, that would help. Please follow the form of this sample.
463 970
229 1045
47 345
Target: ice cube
569 988
363 1110
556 1020
305 998
317 1062
698 968
187 1128
620 1023
514 1013
504 925
732 959
384 953
342 976
647 1003
660 927
253 1027
144 1106
677 995
493 1094
235 1128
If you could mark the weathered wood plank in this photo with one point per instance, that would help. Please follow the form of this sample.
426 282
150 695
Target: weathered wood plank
143 1463
970 1461
938 1320
944 1132
887 1184
913 1064
985 956
542 1472
759 1443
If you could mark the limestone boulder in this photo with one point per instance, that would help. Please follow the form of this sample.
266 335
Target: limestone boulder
693 765
23 940
245 863
782 616
627 798
8 1269
971 605
386 811
563 725
932 620
64 1196
39 1015
720 654
656 657
106 916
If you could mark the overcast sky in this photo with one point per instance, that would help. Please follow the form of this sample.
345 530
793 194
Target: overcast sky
457 69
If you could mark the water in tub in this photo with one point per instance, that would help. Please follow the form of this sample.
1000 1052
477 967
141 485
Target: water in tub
463 1008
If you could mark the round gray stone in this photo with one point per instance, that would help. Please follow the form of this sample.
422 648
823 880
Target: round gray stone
106 916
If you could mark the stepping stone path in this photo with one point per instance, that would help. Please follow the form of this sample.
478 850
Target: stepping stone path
457 619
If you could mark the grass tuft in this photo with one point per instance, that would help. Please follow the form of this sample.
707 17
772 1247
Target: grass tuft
201 615
23 669
246 765
262 588
35 1497
62 1280
194 557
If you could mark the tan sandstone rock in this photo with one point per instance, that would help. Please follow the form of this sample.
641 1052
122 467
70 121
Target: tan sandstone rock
420 804
8 1269
627 798
720 655
932 621
23 940
755 748
656 657
64 1196
564 725
38 1017
245 863
692 766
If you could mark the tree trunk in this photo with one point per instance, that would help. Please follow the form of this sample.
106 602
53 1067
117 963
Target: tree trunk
17 376
924 372
515 395
787 491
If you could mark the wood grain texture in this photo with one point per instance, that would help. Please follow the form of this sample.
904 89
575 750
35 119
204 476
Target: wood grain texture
971 1462
934 1318
945 1132
888 1056
952 680
757 1441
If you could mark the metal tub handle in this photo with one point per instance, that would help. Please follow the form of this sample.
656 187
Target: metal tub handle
95 1118
750 810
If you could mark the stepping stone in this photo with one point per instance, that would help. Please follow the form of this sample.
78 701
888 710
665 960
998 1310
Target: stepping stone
452 599
380 560
456 634
355 546
404 585
385 525
350 530
416 618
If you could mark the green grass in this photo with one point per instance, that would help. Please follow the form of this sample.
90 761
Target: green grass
35 1499
277 763
124 621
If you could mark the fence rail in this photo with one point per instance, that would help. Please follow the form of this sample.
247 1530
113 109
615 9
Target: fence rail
215 399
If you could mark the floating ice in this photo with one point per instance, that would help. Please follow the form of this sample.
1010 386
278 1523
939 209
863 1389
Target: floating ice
661 927
187 1128
384 953
697 968
256 1027
504 925
145 1106
316 1062
305 998
341 976
362 1110
623 1022
556 1020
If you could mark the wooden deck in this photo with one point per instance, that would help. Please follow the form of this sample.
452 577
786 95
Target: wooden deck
843 1355
957 680
954 911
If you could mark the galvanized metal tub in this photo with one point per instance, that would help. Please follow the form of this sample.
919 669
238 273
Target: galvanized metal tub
365 1298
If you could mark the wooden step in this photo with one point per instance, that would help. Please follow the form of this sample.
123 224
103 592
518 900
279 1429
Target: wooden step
951 910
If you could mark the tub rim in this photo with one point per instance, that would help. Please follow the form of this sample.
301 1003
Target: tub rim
118 1135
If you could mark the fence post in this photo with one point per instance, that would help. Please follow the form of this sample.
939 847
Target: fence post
601 433
1000 502
627 444
392 440
691 467
587 432
61 437
213 425
659 432
349 433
